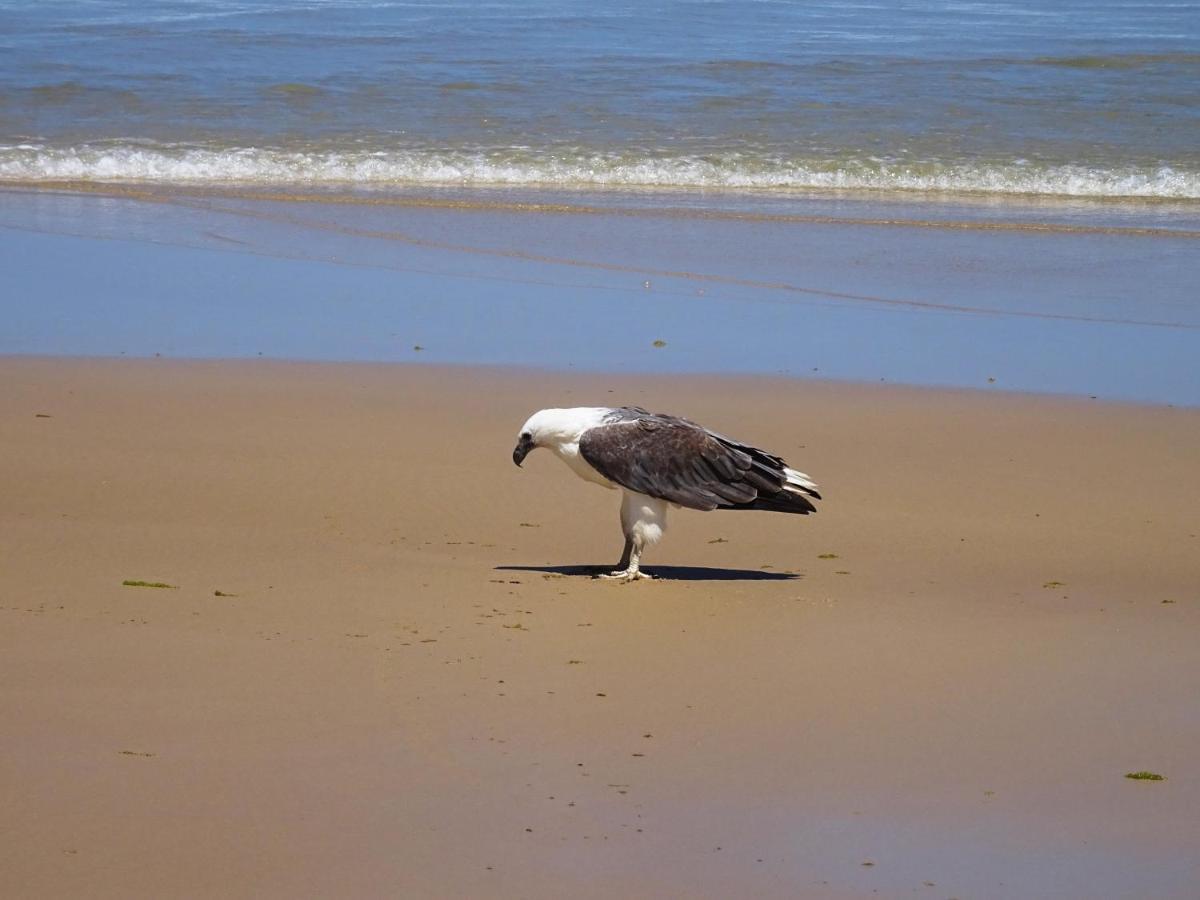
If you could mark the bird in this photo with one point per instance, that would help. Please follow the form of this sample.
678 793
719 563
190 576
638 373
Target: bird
659 461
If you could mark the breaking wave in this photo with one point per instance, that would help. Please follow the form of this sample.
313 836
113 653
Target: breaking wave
192 165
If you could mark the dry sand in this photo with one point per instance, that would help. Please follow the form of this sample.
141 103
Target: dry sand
932 688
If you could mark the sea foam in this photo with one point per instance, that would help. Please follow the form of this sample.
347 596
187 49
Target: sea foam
192 165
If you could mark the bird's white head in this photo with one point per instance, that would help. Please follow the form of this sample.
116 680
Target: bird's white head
556 429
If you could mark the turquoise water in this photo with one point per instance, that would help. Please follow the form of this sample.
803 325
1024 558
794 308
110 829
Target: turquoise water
1086 98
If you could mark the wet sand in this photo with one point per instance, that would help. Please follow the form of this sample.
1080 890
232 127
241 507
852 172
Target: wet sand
1089 300
409 686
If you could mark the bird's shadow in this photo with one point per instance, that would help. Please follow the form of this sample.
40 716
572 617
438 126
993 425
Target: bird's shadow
667 573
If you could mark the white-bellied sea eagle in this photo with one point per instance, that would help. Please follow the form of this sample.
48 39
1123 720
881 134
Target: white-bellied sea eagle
659 461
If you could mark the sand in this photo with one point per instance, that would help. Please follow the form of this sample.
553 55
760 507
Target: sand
409 686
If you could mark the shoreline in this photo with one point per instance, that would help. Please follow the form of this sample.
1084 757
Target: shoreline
981 211
383 668
584 375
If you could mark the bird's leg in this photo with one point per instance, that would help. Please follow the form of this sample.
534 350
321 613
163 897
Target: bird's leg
627 568
624 563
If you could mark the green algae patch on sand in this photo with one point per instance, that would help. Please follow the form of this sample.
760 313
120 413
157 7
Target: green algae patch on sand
660 343
1145 776
130 582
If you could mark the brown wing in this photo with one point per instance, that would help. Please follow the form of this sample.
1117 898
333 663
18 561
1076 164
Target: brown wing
678 461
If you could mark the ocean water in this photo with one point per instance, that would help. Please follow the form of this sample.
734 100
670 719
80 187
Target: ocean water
1037 98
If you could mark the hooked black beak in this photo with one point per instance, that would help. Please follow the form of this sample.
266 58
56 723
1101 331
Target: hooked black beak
524 445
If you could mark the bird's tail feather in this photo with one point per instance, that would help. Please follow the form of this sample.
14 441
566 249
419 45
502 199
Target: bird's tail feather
801 481
798 481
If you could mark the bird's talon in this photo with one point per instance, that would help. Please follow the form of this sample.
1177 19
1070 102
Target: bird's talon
627 575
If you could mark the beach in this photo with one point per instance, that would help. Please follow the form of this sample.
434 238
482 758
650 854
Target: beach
280 283
382 668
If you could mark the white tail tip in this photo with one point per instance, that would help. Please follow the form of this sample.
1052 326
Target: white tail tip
799 479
